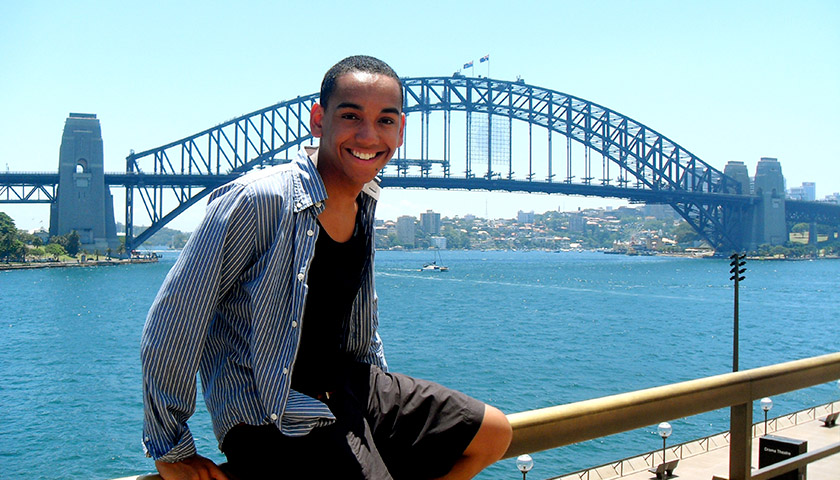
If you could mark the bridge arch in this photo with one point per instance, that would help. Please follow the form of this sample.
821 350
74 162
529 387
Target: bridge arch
636 162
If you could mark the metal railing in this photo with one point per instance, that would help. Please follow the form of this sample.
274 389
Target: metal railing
693 448
561 425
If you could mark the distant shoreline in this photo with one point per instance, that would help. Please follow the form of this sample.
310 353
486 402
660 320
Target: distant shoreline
75 263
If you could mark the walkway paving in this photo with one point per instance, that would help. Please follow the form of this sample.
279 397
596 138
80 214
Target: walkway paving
716 462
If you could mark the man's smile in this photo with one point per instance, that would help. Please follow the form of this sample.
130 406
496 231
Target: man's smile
362 155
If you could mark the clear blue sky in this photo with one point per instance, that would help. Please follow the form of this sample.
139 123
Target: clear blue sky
726 80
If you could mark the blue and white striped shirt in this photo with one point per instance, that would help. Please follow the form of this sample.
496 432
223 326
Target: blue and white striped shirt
232 307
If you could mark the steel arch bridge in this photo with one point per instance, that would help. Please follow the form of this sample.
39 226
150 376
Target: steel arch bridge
507 133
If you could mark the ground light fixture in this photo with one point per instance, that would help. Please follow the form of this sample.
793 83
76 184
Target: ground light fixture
664 431
524 463
766 405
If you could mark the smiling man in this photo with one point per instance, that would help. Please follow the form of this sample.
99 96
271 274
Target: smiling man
272 301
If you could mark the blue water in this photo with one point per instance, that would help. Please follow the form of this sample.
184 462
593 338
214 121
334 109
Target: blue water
520 330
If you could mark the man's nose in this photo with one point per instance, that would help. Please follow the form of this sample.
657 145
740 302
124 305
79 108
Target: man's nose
366 133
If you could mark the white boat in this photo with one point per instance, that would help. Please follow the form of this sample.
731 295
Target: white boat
433 266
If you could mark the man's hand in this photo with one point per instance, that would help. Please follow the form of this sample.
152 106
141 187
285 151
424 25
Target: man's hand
190 468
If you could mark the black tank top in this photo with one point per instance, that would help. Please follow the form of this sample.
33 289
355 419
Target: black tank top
335 276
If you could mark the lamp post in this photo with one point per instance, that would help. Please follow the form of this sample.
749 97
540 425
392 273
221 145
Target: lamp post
736 263
524 463
664 432
766 405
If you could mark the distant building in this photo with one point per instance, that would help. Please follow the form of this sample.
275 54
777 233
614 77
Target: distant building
430 222
808 191
43 235
406 230
576 222
525 217
439 243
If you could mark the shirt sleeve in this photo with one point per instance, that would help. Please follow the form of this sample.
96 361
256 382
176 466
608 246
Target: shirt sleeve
176 327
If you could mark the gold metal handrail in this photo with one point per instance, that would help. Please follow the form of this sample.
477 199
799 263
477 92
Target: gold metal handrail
561 425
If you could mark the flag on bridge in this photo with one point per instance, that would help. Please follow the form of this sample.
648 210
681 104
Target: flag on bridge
485 58
468 65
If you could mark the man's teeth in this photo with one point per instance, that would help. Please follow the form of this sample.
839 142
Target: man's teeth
364 156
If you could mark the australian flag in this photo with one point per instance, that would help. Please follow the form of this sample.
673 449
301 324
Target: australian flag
485 58
468 65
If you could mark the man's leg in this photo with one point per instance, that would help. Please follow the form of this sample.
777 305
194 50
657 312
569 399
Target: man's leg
424 430
489 444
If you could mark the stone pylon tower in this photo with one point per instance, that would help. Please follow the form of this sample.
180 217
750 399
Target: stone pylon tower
741 220
769 184
84 204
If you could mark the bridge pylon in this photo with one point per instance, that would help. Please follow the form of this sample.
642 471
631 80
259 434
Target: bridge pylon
83 203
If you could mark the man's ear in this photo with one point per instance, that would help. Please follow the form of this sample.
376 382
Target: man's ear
316 118
402 129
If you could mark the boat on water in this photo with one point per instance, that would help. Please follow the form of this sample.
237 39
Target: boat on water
433 265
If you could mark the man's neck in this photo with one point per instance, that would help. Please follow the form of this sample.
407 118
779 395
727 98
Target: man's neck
340 207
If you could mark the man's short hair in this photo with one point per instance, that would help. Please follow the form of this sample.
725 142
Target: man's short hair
356 63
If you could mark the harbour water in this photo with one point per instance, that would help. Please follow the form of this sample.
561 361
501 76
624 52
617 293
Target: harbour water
520 330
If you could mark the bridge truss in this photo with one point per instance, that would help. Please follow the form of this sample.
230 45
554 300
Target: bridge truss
462 133
28 187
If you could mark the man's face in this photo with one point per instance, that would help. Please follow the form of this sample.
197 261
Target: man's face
361 128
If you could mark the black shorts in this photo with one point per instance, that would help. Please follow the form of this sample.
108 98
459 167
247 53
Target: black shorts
387 426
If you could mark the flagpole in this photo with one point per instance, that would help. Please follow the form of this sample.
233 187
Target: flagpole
483 59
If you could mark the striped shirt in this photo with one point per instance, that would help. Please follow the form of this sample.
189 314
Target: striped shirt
231 308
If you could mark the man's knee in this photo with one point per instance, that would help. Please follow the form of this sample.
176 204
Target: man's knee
493 437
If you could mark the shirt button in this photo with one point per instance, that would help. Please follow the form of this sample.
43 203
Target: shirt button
285 370
309 233
318 204
147 439
294 324
300 276
273 416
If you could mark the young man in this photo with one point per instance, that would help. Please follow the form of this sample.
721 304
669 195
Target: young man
272 300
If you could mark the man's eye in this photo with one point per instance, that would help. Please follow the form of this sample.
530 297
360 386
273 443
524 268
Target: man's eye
349 116
388 121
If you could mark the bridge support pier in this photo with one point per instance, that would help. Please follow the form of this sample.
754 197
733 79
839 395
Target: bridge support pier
83 203
770 225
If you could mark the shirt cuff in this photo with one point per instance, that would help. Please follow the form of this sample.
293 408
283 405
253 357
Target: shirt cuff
183 449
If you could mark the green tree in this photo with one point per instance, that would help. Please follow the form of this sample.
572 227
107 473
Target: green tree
56 250
69 241
685 233
800 228
11 247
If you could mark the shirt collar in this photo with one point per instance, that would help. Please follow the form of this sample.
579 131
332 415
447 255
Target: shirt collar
309 187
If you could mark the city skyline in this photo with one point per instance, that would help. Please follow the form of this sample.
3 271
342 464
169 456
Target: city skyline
727 81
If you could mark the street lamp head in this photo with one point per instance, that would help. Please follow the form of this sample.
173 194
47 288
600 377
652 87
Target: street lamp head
766 404
524 463
664 430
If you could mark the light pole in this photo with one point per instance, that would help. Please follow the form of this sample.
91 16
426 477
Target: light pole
524 463
766 405
736 263
664 432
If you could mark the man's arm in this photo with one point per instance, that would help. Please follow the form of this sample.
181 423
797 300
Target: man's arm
177 324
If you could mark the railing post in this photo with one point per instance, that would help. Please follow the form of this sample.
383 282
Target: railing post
740 441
